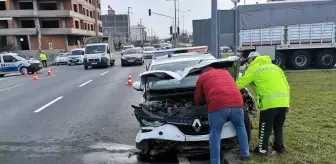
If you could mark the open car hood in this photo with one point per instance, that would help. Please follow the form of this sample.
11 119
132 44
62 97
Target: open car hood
232 63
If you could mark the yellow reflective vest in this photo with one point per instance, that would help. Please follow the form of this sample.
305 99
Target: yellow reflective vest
43 56
269 83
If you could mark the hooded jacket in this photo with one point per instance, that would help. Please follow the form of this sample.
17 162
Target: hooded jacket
268 82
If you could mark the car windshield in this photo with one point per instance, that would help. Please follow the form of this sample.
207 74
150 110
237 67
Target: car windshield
178 67
127 47
77 52
132 51
19 57
62 55
156 45
147 44
95 49
149 49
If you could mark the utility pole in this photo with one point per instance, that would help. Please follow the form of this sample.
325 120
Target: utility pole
129 23
141 32
214 29
175 31
235 27
96 16
178 20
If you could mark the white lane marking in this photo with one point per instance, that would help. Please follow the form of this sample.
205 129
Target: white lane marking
85 83
103 73
6 78
183 160
46 105
10 88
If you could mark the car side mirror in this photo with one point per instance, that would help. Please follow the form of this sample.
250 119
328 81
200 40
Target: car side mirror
137 86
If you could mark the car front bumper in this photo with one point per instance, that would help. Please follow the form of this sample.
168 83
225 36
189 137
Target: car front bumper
75 61
34 67
96 62
131 61
172 133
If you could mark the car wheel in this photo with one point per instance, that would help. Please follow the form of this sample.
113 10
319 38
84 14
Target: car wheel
112 62
86 67
300 60
280 60
69 64
248 125
2 75
57 63
22 70
122 64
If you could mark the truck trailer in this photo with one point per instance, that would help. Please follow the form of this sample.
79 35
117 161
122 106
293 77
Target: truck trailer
297 35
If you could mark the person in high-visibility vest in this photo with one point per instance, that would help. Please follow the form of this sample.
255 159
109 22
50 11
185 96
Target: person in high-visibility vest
269 83
43 58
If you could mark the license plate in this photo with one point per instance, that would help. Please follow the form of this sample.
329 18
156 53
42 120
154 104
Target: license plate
93 63
131 61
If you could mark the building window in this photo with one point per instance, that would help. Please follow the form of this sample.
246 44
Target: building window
48 6
27 24
77 24
87 12
26 6
49 23
91 15
92 27
75 7
90 1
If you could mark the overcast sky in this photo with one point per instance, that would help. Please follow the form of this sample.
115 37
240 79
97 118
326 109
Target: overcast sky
199 9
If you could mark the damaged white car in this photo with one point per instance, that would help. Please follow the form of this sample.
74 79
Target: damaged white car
169 119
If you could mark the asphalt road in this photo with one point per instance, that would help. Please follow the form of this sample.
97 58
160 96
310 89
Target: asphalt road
75 116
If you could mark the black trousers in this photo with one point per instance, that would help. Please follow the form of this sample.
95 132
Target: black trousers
273 118
44 63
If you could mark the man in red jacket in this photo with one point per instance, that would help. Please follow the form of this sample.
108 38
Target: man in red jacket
217 88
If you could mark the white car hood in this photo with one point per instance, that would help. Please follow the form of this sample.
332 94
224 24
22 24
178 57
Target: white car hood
217 63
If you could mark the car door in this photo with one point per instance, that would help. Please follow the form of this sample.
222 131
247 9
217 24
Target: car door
9 63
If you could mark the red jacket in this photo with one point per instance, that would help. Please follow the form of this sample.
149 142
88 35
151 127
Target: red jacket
217 88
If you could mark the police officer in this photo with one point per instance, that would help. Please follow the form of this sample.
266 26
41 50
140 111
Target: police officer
269 83
43 58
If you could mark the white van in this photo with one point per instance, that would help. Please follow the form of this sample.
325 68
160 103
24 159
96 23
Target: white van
13 63
98 54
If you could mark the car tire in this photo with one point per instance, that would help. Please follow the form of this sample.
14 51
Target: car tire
248 125
86 67
57 64
22 70
122 64
2 75
70 64
112 62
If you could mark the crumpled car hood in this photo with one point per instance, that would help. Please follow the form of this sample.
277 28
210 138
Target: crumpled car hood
232 61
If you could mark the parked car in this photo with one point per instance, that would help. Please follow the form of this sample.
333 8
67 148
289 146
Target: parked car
13 63
132 56
169 119
225 49
76 56
62 58
148 51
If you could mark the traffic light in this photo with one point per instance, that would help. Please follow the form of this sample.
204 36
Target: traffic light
178 30
171 30
149 12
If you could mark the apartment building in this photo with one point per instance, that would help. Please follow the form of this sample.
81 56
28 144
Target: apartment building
138 33
62 24
117 25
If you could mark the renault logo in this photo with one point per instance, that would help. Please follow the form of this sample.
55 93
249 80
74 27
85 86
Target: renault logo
197 125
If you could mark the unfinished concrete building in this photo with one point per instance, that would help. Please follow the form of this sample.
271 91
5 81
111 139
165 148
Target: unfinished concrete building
62 23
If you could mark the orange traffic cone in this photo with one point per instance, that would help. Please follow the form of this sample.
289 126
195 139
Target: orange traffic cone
25 73
49 72
35 76
129 81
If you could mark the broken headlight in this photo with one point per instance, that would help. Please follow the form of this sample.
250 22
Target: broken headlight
151 123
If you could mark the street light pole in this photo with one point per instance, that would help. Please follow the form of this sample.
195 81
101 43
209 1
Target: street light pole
236 29
129 24
178 20
214 29
175 28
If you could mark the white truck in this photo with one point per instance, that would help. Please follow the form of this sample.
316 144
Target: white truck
295 46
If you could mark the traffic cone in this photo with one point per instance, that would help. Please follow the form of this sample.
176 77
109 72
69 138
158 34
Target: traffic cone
49 72
25 73
35 76
129 81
